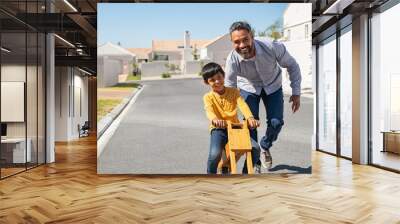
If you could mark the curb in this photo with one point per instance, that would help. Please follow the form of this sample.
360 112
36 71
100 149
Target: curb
107 120
113 126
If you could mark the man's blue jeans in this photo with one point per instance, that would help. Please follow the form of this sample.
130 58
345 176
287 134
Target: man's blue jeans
274 107
219 138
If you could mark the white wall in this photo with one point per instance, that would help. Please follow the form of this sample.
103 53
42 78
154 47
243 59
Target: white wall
108 71
218 51
80 104
301 51
152 69
295 17
193 67
62 81
69 85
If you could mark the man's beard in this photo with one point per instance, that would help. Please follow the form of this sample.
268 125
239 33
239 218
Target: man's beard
245 52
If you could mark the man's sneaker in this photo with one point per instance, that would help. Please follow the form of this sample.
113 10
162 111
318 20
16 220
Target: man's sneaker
257 169
266 159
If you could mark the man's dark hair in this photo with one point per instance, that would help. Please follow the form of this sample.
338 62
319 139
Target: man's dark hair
240 25
210 69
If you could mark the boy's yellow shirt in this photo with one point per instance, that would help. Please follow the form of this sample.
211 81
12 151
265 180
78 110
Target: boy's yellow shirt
225 106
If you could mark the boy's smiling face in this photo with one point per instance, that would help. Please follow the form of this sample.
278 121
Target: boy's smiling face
216 82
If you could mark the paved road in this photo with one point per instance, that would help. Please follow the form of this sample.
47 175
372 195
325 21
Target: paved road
166 132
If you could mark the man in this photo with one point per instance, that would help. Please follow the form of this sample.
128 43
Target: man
254 67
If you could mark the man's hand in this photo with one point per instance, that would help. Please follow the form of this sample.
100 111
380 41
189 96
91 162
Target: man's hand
295 99
253 123
218 123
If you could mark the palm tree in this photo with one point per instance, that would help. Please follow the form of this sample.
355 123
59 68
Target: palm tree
275 30
262 33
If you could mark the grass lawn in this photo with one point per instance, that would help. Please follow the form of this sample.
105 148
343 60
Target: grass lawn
121 87
110 97
105 106
125 86
133 77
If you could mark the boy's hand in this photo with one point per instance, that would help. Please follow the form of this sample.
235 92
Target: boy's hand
219 123
253 123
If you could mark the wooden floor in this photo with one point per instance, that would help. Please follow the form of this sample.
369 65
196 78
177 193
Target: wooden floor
70 191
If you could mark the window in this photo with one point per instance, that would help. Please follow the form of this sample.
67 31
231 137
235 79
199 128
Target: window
346 92
385 87
327 95
23 74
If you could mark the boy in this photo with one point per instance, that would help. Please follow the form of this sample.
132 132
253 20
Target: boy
221 105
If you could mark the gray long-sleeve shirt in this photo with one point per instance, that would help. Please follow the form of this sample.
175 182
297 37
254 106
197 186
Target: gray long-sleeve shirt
262 71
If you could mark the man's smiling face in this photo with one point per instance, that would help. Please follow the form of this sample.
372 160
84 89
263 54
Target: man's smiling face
243 43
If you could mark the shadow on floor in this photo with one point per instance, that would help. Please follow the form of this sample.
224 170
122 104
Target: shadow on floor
291 168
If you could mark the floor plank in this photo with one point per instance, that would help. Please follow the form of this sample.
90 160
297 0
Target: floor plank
70 191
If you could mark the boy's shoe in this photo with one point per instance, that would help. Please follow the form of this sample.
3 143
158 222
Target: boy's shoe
225 170
266 159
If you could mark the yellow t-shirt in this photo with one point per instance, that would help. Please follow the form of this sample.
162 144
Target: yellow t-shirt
225 106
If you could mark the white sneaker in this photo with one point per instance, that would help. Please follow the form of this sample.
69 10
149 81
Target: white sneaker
266 159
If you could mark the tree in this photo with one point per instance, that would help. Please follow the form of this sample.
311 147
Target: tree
135 68
274 31
262 33
194 53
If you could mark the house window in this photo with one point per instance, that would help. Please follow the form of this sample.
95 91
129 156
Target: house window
160 57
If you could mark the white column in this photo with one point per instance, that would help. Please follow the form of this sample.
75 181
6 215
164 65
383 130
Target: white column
314 90
360 90
50 98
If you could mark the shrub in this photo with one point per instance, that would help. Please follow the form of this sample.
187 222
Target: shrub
165 75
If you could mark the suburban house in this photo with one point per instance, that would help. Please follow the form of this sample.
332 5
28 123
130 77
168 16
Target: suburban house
142 54
186 55
112 61
217 50
171 50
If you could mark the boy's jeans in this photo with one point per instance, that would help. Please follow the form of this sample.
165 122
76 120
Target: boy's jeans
274 107
219 138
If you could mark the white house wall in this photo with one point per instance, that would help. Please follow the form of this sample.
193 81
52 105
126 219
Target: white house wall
108 72
152 69
301 51
193 67
297 14
219 50
297 39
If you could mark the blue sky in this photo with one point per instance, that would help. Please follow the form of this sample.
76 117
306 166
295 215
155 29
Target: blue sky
135 25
